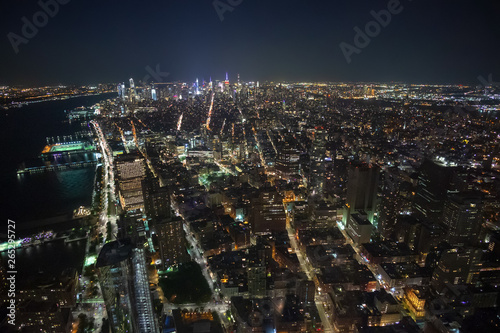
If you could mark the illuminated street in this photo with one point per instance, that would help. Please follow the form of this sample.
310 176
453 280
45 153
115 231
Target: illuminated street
108 214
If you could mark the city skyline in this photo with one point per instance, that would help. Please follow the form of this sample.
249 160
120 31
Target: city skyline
241 204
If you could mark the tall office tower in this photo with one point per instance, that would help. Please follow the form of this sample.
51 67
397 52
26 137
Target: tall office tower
153 94
132 89
434 183
125 288
256 281
457 266
172 242
362 185
156 200
267 213
123 91
146 320
462 216
287 161
114 274
131 172
119 90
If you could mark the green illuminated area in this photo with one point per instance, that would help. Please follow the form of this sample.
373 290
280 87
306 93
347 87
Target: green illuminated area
168 270
206 179
186 284
67 147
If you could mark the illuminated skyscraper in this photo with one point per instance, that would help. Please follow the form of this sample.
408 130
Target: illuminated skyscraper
146 321
132 89
153 94
125 288
226 83
131 172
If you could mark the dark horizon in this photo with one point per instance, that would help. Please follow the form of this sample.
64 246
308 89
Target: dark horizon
125 81
422 42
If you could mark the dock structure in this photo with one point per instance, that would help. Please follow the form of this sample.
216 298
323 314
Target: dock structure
56 167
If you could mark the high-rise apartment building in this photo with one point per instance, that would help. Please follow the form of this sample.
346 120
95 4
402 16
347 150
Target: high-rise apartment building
172 242
156 200
131 172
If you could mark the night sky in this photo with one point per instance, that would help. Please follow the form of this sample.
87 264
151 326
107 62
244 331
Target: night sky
87 42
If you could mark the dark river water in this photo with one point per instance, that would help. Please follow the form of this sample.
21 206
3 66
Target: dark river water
23 132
